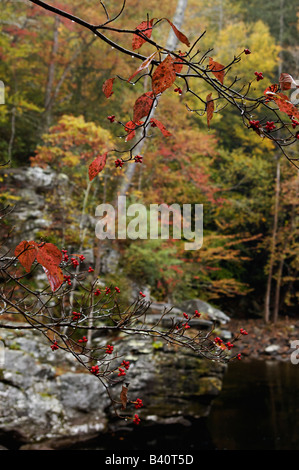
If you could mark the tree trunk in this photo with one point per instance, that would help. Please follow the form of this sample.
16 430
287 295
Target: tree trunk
171 45
51 74
273 244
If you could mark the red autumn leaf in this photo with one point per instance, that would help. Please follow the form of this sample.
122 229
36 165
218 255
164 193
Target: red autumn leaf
210 108
270 91
178 65
124 397
48 255
160 126
143 105
216 69
144 65
130 128
146 29
164 75
285 105
107 87
181 37
55 277
287 82
97 165
26 254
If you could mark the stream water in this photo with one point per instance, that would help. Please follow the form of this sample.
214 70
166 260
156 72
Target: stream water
257 409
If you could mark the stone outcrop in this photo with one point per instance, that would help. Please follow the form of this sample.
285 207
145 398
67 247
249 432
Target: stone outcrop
47 401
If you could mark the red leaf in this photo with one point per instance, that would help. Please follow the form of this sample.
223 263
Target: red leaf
216 69
97 165
270 91
55 277
285 105
287 82
144 65
178 65
210 108
164 75
146 29
48 255
130 128
181 37
159 124
107 87
143 105
26 254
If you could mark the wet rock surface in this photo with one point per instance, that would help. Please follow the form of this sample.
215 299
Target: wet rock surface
47 401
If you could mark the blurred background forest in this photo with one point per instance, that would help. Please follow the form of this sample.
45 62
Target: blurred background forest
55 117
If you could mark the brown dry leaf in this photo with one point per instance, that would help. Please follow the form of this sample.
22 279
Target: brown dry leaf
124 397
216 69
210 108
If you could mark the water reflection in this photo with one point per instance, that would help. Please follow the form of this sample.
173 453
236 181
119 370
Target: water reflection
258 407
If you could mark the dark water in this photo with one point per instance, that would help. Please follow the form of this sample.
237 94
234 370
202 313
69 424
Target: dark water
258 409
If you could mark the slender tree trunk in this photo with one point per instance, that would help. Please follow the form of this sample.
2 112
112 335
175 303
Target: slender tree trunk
291 234
277 191
129 174
51 74
273 244
171 45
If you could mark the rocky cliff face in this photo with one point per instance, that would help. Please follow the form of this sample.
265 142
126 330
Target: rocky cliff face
47 401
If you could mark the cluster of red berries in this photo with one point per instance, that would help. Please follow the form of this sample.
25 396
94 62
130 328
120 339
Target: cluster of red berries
218 341
54 346
138 403
138 158
259 76
186 326
67 279
90 270
83 340
109 349
229 345
95 370
107 290
118 163
270 126
142 295
243 332
97 292
117 289
76 316
197 314
178 90
254 124
294 123
111 118
75 262
136 419
126 364
65 255
121 372
247 51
